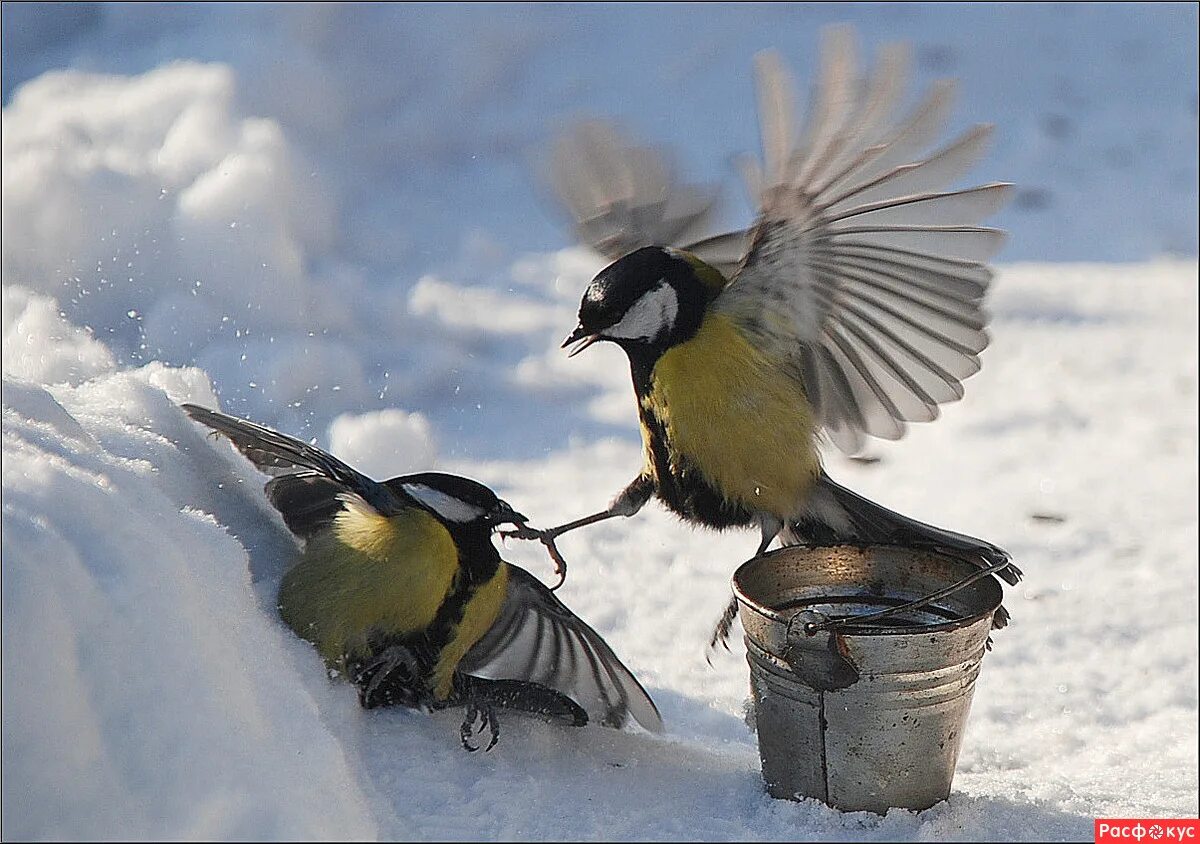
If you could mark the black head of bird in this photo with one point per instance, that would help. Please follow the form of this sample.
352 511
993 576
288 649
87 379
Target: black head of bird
650 299
459 500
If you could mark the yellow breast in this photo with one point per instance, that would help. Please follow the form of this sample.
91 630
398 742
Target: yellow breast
738 416
373 573
368 572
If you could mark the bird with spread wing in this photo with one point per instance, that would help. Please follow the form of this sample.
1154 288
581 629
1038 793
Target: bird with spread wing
851 307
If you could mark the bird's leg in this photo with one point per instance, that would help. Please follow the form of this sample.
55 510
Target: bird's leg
770 529
629 502
487 720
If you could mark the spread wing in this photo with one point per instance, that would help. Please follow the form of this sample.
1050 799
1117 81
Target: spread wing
623 196
308 483
537 639
865 275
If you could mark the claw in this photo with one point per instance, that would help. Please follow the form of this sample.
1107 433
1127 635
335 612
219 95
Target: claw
494 726
381 671
721 631
560 564
465 731
487 720
522 532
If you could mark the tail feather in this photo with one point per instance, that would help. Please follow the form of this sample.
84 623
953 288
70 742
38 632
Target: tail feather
835 514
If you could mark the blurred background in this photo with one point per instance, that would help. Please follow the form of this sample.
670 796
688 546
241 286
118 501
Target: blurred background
436 109
348 197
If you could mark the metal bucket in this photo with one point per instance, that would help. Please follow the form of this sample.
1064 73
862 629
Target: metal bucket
868 716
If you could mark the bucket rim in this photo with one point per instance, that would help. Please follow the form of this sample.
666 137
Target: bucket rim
784 617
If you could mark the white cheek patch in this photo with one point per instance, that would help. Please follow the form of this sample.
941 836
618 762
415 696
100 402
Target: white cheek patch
650 315
447 506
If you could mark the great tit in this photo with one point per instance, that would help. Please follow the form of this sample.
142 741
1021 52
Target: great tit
851 307
402 592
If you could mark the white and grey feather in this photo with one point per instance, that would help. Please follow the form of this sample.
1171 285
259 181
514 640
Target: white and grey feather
538 639
865 275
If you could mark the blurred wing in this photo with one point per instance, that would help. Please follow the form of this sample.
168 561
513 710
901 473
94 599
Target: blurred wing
312 476
864 274
623 196
537 639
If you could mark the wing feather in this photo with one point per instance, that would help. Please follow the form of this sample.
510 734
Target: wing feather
957 208
876 408
723 251
879 103
776 119
539 640
933 174
834 104
866 270
923 126
623 196
938 383
962 243
964 320
847 420
884 360
279 454
966 284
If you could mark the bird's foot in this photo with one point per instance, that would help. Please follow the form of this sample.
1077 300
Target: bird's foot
391 677
523 531
546 537
486 718
720 634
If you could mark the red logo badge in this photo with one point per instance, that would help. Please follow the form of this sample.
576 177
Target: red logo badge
1147 830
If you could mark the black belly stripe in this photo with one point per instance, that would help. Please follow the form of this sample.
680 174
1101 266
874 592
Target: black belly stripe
678 483
682 487
478 563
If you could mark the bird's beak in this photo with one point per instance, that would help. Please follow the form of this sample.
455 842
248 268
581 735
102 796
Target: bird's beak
581 339
507 515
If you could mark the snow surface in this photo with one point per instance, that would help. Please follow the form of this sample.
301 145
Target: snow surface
278 211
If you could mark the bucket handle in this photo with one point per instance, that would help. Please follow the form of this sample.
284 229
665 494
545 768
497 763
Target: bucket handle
841 622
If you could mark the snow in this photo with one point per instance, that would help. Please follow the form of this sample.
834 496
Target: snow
324 219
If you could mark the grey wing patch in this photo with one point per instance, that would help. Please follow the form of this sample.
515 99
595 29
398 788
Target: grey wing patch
865 274
622 196
538 639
